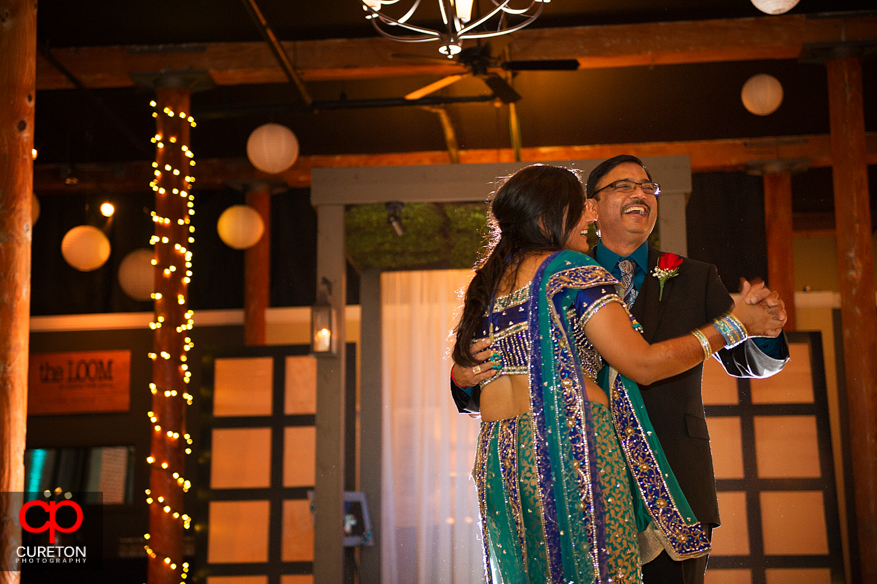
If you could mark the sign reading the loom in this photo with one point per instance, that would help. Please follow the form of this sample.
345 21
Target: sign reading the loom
79 383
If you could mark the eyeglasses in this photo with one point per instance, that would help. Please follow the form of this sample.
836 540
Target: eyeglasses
629 186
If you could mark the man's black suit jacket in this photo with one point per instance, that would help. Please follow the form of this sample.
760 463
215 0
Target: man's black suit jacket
675 405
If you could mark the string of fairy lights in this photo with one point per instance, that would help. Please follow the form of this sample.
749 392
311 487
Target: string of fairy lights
166 181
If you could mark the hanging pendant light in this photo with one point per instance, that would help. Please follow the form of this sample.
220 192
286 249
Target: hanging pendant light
85 248
272 148
240 227
762 94
137 274
774 7
500 17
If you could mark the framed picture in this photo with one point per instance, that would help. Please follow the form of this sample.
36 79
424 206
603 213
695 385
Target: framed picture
357 527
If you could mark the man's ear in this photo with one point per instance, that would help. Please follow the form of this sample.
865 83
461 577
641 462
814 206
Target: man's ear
592 208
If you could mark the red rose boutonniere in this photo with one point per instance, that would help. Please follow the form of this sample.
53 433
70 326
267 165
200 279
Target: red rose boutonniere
668 267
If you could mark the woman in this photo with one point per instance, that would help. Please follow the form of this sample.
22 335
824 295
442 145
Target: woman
555 498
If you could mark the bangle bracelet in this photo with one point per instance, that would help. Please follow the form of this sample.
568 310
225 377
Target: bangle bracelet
704 343
732 330
739 324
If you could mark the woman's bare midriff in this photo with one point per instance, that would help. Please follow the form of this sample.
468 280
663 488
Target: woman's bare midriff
508 396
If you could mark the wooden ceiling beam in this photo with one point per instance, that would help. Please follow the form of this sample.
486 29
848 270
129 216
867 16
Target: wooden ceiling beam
212 174
777 37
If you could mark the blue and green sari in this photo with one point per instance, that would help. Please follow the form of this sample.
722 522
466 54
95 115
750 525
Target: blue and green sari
571 492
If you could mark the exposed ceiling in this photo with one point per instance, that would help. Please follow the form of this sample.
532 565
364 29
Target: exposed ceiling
656 77
603 105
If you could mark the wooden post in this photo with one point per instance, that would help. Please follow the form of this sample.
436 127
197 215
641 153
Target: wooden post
173 320
257 270
18 47
329 484
371 417
858 311
780 252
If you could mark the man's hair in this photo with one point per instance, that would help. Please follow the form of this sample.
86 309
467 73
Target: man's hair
605 167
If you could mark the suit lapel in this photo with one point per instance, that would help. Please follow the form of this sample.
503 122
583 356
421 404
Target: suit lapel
647 309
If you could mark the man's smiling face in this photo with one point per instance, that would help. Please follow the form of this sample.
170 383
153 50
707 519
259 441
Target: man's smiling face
625 220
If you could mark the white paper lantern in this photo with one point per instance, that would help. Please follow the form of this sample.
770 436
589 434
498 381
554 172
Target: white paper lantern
137 274
240 226
774 6
272 148
86 248
762 94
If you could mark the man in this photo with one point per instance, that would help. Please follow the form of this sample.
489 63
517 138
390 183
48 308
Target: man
623 198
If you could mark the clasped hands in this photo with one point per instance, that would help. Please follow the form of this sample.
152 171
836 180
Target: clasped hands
770 321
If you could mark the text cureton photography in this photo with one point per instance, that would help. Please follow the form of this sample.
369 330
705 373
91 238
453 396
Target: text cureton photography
59 531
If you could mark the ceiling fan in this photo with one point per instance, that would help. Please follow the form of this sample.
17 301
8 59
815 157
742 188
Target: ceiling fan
479 62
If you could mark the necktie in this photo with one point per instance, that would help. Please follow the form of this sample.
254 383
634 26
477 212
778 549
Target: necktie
627 268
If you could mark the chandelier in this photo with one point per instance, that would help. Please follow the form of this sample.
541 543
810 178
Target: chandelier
501 17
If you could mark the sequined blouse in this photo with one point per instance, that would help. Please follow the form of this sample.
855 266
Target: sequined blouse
510 326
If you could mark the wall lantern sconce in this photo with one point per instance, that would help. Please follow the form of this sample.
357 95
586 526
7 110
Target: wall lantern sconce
323 339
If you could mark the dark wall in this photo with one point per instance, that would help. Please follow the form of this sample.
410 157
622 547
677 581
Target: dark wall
725 217
130 428
725 220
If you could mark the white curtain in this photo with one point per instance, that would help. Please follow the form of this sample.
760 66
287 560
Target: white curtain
430 531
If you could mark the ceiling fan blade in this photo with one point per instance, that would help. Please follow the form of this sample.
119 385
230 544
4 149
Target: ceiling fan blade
435 86
501 88
426 59
542 65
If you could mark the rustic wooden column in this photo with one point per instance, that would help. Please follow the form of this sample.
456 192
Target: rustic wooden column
18 47
257 270
777 179
173 320
780 249
858 311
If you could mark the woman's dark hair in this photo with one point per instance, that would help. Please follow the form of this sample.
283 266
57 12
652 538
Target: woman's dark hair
604 167
535 209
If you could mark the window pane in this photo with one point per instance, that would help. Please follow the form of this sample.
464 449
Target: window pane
728 576
719 388
241 458
301 385
798 576
297 579
787 447
298 531
727 446
242 387
793 523
299 456
732 539
237 580
238 532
